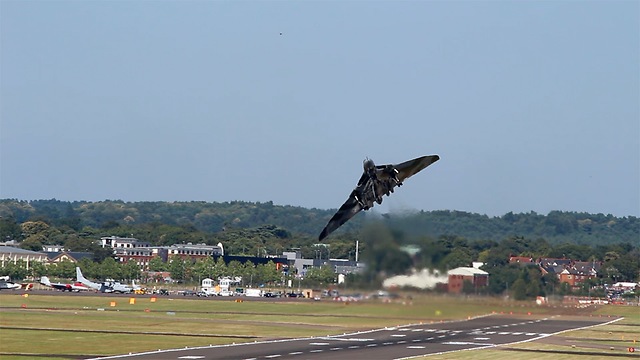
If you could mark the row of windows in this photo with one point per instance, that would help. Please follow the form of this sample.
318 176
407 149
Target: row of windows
129 245
192 252
136 253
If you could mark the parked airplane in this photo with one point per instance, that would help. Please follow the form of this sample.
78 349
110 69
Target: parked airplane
5 283
106 286
10 285
62 286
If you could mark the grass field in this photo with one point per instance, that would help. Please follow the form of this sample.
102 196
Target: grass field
66 327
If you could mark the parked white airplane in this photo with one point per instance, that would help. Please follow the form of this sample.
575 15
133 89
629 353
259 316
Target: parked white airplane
106 286
6 284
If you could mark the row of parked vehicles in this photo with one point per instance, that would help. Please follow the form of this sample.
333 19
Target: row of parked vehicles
280 294
203 293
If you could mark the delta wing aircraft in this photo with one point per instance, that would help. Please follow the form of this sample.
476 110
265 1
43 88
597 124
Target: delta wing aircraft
376 181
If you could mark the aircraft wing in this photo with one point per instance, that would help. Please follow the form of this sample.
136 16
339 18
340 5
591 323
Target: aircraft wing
79 287
62 287
387 177
412 167
348 210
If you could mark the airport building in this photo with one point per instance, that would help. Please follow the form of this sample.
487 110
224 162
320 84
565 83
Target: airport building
10 254
478 278
141 252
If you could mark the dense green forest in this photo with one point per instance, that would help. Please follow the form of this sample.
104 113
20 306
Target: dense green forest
389 243
211 218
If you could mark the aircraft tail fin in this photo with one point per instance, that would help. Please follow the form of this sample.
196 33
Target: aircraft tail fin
79 276
45 281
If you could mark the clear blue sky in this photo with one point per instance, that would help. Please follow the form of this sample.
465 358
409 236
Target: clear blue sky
532 105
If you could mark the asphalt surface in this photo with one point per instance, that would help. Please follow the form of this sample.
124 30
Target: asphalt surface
389 343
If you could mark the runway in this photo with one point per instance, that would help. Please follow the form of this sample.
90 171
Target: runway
393 343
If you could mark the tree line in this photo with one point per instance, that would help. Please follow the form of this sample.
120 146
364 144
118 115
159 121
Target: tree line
189 220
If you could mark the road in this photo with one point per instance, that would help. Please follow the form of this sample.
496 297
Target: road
389 343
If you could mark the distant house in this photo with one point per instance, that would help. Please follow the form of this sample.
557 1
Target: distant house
73 256
578 272
522 260
570 271
115 242
554 262
52 248
478 278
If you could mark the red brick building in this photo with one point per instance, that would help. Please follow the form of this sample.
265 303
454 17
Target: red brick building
478 278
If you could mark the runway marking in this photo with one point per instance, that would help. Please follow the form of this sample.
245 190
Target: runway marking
415 347
466 343
401 342
398 335
316 351
191 357
387 343
530 334
481 338
345 339
354 346
318 344
372 345
517 333
540 336
273 356
295 353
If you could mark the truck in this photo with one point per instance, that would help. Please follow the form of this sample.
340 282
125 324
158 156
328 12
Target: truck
253 292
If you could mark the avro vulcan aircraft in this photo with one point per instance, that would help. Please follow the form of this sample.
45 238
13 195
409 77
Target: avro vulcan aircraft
376 181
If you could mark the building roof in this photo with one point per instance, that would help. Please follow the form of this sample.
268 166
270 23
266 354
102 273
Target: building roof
15 250
74 255
467 271
554 262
